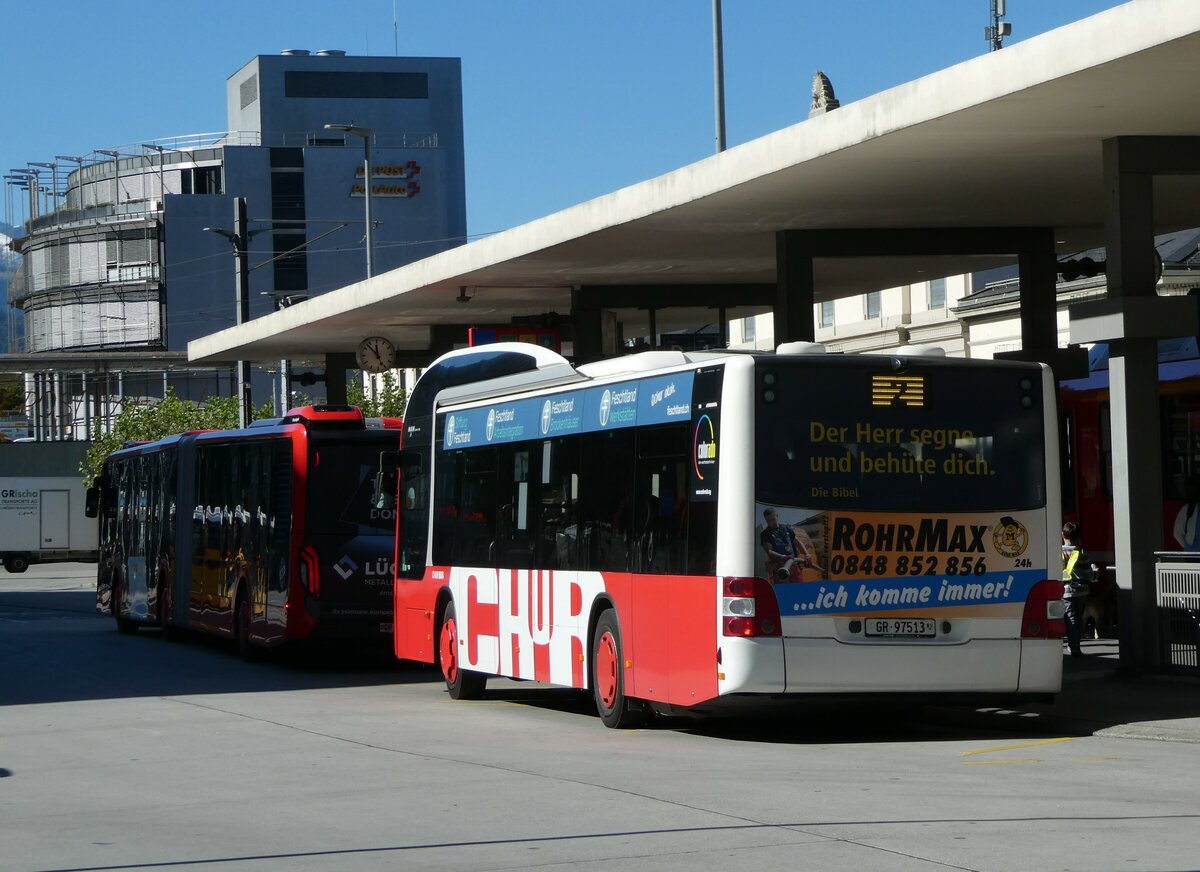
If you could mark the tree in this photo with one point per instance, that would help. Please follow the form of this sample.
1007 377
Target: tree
147 420
12 394
389 400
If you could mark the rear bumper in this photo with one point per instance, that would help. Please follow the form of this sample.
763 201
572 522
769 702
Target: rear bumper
992 667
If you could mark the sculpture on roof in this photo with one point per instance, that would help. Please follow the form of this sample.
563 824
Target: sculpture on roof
822 93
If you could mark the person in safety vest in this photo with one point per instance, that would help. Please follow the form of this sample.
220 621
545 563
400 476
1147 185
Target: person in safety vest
1077 577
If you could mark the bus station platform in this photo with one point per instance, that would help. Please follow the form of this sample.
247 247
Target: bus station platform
1099 698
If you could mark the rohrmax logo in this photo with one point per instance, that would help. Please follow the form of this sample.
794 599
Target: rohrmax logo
449 431
1010 537
605 407
491 423
546 414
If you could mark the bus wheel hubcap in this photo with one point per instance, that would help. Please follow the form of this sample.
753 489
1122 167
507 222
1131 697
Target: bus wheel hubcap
606 670
449 643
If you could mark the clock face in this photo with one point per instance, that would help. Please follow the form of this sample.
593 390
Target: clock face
376 354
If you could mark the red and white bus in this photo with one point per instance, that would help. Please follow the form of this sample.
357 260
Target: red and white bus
607 527
266 535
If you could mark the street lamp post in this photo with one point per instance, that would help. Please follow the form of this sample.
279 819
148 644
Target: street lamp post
365 134
53 167
116 156
162 191
78 176
238 237
718 75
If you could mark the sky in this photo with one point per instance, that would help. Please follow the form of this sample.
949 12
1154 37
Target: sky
563 100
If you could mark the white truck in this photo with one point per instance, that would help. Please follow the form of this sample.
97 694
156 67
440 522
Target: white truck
42 505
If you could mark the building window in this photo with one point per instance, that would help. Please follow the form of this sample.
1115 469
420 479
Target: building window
748 329
937 293
350 85
825 319
873 304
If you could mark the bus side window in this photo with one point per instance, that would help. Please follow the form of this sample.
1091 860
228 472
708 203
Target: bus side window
445 507
607 500
414 516
517 524
475 542
660 517
559 492
702 538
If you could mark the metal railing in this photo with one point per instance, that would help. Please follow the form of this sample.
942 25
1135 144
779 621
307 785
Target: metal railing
1177 596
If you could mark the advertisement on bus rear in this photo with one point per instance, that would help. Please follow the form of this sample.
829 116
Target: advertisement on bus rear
900 488
843 562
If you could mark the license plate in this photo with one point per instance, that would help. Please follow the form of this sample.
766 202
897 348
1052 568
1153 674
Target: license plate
903 627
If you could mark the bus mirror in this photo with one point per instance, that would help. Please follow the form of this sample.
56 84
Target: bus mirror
91 500
385 479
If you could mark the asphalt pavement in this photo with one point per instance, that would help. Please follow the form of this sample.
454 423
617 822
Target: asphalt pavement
1098 697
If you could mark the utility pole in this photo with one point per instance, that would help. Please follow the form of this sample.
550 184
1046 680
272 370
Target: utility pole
718 75
242 293
239 237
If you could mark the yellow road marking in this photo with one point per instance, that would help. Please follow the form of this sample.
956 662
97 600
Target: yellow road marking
1015 747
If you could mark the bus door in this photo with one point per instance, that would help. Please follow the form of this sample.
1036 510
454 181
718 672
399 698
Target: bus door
185 531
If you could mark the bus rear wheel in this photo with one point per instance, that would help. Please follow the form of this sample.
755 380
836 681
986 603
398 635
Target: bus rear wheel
460 683
247 649
617 711
124 625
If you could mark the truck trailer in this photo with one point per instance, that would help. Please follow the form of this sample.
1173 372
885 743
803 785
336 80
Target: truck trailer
42 505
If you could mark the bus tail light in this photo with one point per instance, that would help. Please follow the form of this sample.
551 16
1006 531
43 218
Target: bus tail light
1044 612
749 608
310 571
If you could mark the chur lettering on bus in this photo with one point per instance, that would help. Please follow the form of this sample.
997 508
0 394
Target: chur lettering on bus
525 623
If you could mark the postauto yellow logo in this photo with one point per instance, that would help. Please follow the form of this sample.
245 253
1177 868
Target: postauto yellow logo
898 390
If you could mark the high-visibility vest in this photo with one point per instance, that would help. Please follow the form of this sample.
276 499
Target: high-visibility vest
1069 564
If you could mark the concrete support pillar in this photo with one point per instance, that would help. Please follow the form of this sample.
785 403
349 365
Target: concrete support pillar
1137 495
1136 419
794 297
336 365
1038 267
594 330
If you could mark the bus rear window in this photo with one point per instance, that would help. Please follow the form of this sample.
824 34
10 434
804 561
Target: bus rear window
934 435
340 481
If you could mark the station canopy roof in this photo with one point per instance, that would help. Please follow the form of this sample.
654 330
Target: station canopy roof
1011 138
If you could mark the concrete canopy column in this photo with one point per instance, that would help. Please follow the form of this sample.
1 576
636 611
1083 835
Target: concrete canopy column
594 334
794 287
336 366
1133 319
1037 265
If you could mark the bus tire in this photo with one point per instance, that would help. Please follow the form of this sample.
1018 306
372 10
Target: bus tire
460 683
247 650
169 633
617 711
16 562
124 625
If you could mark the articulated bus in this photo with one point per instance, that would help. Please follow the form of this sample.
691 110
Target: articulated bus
266 535
608 527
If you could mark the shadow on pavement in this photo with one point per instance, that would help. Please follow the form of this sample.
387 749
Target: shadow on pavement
56 648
